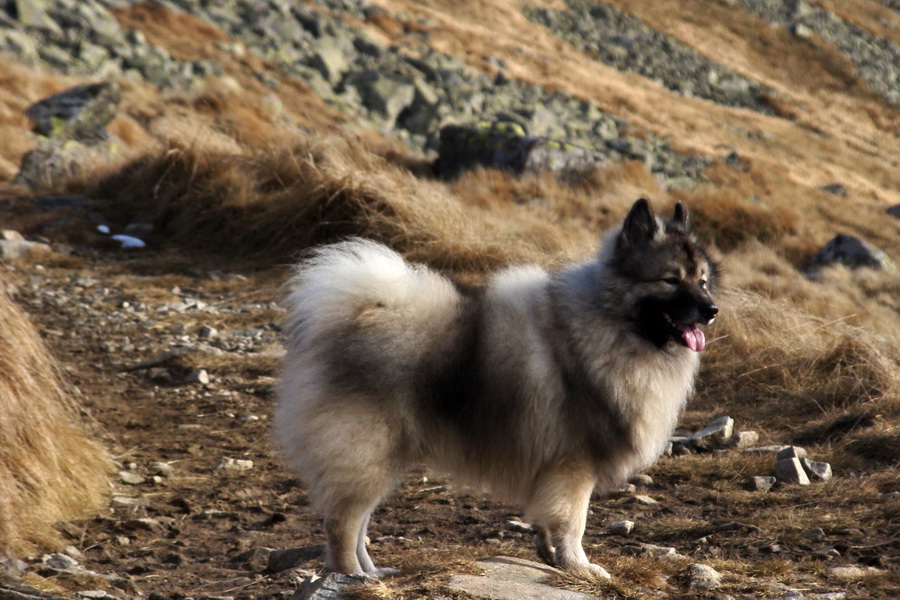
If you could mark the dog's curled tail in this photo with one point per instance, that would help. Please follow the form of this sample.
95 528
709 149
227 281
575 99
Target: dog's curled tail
341 284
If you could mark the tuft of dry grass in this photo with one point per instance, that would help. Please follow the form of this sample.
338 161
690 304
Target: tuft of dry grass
50 469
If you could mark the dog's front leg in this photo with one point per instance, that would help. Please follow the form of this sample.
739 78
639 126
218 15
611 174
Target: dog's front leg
558 507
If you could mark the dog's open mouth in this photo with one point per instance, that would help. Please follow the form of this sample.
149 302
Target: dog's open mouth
689 334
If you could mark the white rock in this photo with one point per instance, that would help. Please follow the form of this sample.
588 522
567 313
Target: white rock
760 483
716 434
163 468
234 464
200 376
702 577
642 500
621 527
130 478
129 241
820 471
744 439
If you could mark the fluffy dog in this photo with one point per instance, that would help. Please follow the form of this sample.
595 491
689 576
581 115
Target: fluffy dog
540 387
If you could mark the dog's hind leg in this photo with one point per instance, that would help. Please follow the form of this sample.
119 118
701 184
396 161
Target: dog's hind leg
365 561
559 504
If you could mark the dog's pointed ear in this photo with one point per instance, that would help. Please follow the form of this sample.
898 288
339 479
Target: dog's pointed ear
640 225
681 214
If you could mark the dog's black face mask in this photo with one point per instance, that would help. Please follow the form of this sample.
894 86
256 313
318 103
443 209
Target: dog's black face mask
671 275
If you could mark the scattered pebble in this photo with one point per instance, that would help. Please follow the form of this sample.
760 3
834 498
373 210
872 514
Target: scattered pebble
621 527
234 464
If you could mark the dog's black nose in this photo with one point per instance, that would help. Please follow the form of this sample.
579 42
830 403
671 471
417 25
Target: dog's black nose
709 311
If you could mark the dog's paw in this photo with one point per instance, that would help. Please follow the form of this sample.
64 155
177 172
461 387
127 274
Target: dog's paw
384 572
590 571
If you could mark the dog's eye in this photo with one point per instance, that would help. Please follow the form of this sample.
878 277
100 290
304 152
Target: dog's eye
672 280
703 283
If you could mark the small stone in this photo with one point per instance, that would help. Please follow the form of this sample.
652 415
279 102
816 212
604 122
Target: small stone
518 526
288 558
816 534
206 332
716 434
702 577
852 572
626 490
642 500
12 249
828 553
330 586
791 452
760 483
621 527
58 560
790 471
255 559
10 235
820 471
73 552
831 596
234 464
744 439
200 376
765 449
162 468
12 567
894 211
131 478
802 31
651 550
771 549
835 188
122 540
642 479
93 594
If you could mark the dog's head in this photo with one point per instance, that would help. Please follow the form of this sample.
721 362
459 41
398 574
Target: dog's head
669 277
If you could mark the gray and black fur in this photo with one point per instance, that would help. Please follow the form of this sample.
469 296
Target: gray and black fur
538 387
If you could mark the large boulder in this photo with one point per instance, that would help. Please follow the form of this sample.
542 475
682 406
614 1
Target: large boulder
80 113
851 252
505 145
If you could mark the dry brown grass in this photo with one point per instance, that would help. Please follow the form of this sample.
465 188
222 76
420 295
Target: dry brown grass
50 470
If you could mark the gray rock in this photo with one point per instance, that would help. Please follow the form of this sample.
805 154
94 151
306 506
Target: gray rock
834 188
13 249
621 527
288 558
80 113
58 560
827 553
851 252
743 439
131 478
12 567
207 332
641 479
330 58
255 559
816 534
508 578
820 471
701 577
790 471
715 435
791 452
162 468
234 464
33 13
641 500
200 376
760 483
894 211
651 550
386 96
765 449
504 145
331 586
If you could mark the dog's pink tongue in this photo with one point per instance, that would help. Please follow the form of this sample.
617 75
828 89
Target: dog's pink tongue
693 337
